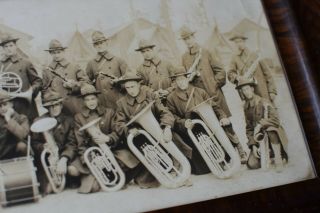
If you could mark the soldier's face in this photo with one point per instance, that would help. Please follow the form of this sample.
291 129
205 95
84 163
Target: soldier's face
57 55
10 49
148 53
55 110
190 41
101 46
248 92
5 106
132 88
91 101
240 44
182 82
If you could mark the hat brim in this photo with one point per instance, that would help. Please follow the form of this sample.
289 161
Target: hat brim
180 74
58 48
145 47
105 39
238 37
187 35
245 84
53 102
90 93
122 81
8 41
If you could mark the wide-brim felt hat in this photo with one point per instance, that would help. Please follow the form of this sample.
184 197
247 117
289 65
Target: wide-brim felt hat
7 38
144 44
98 36
245 82
88 89
55 45
179 71
237 35
51 98
186 32
129 76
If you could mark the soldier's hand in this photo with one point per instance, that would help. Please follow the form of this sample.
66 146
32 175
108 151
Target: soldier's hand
225 122
69 84
163 92
134 131
167 134
188 124
101 139
62 166
8 114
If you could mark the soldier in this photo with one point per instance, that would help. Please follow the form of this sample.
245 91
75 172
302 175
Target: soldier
63 135
261 116
105 70
154 71
136 99
64 77
14 128
248 64
12 62
184 98
91 111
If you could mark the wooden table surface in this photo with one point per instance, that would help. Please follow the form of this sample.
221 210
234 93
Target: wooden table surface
300 51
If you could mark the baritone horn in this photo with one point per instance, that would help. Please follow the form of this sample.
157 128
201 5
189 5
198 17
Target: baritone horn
50 154
212 142
156 155
102 162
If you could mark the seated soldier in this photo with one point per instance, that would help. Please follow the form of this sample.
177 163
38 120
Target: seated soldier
261 116
63 135
93 110
180 101
136 99
14 129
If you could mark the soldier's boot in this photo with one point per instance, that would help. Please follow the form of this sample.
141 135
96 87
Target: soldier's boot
242 154
277 157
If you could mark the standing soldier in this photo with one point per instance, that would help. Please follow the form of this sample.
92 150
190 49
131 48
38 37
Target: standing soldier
206 73
14 128
261 116
13 64
105 70
64 77
63 135
180 101
154 71
91 111
247 64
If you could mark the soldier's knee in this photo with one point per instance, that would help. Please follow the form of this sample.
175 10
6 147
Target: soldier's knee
21 148
273 137
95 186
73 171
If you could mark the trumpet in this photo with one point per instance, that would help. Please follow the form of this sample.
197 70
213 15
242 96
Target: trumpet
155 154
50 155
102 162
212 142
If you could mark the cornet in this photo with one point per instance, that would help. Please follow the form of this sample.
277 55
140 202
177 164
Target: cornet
50 155
213 143
155 154
102 162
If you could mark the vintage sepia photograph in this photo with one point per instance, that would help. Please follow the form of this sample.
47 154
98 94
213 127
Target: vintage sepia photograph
137 105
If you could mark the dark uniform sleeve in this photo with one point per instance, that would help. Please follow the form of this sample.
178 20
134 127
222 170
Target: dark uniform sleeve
19 127
46 80
81 138
267 74
34 79
109 126
123 67
166 117
233 71
120 122
90 73
218 71
272 117
141 74
82 78
70 147
179 121
249 132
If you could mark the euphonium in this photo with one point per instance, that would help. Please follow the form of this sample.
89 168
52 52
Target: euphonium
213 143
50 154
102 162
155 154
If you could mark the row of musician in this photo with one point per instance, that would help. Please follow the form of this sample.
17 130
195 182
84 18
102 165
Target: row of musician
108 126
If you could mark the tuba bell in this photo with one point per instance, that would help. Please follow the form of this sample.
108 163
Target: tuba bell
155 154
213 143
102 162
50 154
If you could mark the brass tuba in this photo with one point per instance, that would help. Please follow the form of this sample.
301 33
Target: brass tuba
213 143
50 154
102 162
155 154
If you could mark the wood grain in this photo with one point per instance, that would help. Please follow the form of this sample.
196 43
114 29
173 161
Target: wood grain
302 196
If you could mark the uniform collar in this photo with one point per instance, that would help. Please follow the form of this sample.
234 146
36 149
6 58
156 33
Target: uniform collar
253 102
63 63
194 50
184 94
244 52
108 56
13 58
99 110
142 96
155 61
